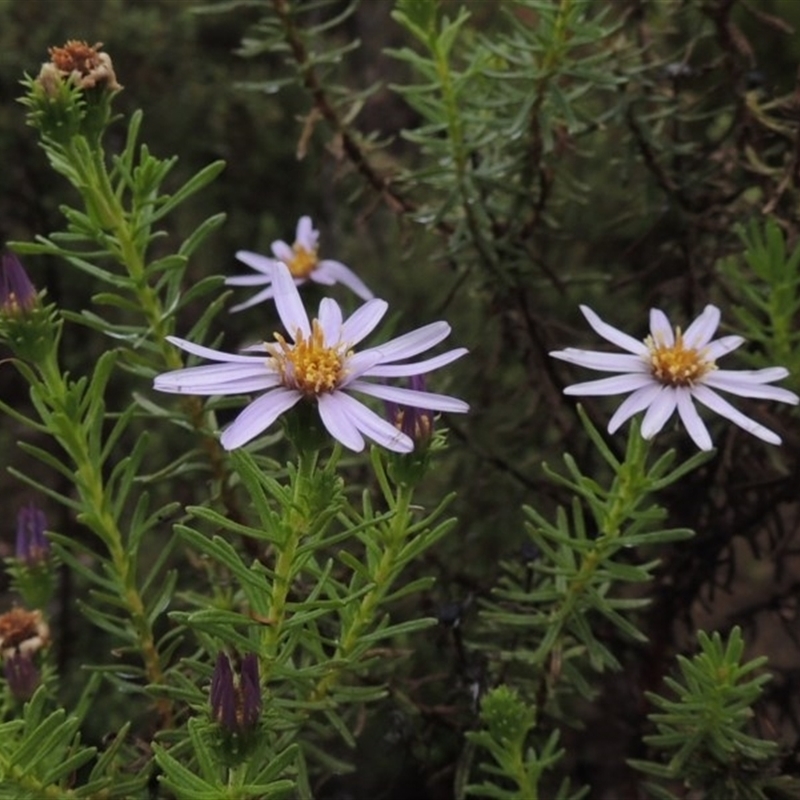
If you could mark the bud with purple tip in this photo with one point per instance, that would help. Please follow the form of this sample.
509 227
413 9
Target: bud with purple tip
17 293
416 423
33 548
21 675
27 326
236 698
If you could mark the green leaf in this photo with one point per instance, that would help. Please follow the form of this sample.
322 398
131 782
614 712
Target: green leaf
201 179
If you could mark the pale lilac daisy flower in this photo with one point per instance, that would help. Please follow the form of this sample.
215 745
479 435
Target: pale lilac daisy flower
671 369
319 365
304 263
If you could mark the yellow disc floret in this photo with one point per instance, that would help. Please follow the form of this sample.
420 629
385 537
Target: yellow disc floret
309 365
303 261
676 364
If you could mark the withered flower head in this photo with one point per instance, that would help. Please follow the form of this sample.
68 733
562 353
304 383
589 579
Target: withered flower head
22 632
86 66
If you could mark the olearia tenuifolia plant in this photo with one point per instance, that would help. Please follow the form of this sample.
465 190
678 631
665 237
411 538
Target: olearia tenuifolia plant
246 668
249 517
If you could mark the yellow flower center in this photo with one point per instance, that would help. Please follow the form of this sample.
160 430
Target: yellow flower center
309 365
303 261
676 364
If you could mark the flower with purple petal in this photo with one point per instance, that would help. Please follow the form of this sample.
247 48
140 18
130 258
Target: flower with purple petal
304 264
319 365
670 370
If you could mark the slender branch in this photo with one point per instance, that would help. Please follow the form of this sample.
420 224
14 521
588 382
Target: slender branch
350 145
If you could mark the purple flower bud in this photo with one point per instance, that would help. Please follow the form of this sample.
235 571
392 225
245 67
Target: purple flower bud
223 695
17 293
33 547
21 675
416 423
236 699
250 691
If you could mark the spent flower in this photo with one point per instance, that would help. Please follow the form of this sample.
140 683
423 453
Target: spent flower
84 65
71 95
302 259
22 631
318 364
670 370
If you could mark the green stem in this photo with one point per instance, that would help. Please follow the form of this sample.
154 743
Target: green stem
382 578
455 129
99 516
625 494
285 570
98 193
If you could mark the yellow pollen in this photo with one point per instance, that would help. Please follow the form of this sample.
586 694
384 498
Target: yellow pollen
303 261
308 365
677 365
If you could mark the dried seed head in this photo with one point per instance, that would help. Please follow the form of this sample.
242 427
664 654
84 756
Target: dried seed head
22 632
86 66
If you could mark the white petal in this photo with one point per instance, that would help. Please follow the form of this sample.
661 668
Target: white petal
290 306
417 368
637 402
248 280
239 386
258 297
305 235
258 347
722 407
720 347
282 251
322 278
337 422
217 379
256 261
611 334
739 384
373 426
766 375
258 416
604 362
661 409
695 426
410 397
363 321
216 373
344 275
330 318
413 343
619 384
212 355
699 333
661 329
359 363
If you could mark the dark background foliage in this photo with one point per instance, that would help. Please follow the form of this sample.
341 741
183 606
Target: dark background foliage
633 212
